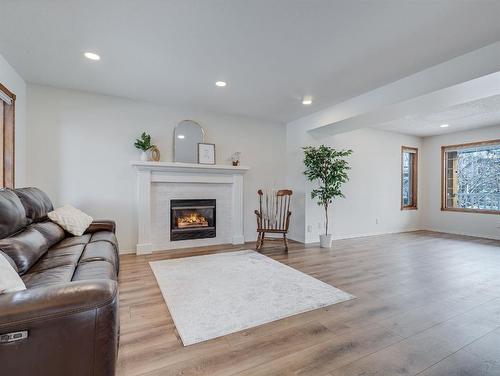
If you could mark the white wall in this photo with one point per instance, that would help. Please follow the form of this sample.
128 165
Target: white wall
80 146
373 193
15 83
487 225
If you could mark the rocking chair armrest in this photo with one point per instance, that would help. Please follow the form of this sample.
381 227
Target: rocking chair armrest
258 213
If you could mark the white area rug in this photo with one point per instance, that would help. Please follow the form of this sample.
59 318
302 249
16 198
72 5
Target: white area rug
214 295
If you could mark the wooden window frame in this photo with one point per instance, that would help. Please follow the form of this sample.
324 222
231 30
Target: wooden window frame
414 188
443 177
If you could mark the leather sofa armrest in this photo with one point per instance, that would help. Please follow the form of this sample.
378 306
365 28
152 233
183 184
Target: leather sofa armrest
101 225
72 326
46 302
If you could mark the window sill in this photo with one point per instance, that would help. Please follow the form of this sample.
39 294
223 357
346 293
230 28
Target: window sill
409 208
477 211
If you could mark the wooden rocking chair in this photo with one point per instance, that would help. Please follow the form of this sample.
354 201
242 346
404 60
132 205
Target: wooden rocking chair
281 220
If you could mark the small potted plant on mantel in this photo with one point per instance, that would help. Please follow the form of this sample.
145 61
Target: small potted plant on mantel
144 144
326 167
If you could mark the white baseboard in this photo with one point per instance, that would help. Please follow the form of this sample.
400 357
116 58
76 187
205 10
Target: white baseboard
464 233
362 235
302 241
374 234
127 251
352 236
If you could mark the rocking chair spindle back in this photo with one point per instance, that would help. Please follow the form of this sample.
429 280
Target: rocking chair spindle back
273 216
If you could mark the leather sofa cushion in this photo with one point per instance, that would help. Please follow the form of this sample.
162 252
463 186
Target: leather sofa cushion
52 276
100 251
36 203
73 240
95 270
105 236
12 213
94 260
58 257
25 248
89 238
52 232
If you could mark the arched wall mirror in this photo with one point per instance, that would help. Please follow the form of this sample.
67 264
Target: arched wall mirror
187 135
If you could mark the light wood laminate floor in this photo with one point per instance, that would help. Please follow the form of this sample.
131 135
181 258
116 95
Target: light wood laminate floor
428 304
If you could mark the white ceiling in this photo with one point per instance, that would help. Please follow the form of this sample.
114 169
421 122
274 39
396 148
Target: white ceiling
271 52
481 113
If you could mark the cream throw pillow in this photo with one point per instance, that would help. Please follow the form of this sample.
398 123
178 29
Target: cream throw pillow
71 219
9 279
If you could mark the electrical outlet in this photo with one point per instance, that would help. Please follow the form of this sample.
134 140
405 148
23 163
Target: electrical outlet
309 228
376 221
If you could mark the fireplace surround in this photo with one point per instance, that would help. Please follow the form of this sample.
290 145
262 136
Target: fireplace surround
160 182
192 219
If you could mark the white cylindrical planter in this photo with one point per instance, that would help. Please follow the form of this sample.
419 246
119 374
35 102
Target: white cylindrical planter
144 156
325 241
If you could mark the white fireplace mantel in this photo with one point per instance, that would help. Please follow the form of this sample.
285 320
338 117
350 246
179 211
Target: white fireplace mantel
173 172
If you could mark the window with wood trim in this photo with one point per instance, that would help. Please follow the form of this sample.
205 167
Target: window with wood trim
471 177
409 178
7 141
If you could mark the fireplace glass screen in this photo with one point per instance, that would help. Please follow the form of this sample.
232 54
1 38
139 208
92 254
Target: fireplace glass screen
192 219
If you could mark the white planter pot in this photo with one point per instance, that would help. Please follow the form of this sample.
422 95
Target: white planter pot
325 241
144 156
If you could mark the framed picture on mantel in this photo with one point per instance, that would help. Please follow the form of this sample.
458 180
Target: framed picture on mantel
206 153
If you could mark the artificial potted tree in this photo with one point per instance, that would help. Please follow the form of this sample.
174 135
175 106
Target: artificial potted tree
327 168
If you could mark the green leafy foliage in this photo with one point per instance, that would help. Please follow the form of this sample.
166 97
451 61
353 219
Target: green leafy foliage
144 142
328 168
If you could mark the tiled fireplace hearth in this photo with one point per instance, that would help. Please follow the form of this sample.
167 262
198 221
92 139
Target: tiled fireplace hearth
182 205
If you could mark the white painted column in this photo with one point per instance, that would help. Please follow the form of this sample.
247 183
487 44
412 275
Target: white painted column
237 220
144 243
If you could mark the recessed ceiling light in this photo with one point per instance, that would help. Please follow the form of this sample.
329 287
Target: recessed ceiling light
92 56
307 100
220 83
181 136
444 125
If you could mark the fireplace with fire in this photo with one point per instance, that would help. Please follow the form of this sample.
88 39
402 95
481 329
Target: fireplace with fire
192 219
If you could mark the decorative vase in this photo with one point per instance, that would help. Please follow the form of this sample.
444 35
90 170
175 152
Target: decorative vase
325 241
144 155
155 154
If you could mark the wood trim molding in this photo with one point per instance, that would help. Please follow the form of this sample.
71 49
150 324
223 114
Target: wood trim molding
477 211
414 189
443 176
471 144
7 92
9 145
8 135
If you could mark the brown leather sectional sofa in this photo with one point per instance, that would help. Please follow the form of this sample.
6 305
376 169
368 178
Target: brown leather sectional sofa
66 321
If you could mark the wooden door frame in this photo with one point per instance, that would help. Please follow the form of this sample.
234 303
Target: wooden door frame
8 139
